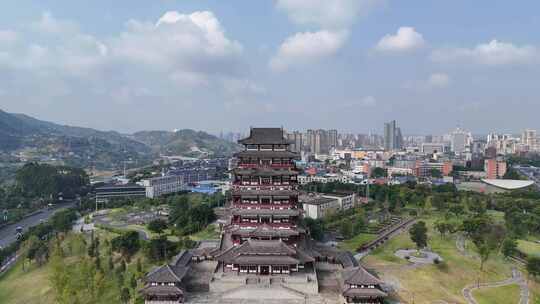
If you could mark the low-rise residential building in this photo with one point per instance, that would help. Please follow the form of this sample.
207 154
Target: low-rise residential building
317 206
424 168
345 200
158 186
106 193
328 178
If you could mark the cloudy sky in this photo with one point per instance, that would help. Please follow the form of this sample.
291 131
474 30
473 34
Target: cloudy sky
227 65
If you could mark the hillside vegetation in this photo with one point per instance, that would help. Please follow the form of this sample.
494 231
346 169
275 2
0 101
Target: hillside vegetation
186 142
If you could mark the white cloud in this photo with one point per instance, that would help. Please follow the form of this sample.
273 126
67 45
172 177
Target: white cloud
176 56
307 47
439 80
405 39
325 13
368 101
8 37
177 41
48 24
493 53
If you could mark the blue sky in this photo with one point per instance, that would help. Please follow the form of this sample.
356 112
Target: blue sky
228 65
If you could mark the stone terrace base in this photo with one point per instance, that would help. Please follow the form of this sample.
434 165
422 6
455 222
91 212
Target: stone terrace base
213 298
294 285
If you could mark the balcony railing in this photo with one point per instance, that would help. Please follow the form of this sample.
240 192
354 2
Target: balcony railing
264 206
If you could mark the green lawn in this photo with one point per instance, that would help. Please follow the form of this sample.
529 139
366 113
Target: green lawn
353 244
499 295
25 287
434 282
210 233
529 248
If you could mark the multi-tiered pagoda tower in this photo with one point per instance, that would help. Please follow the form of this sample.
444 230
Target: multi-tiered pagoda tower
264 236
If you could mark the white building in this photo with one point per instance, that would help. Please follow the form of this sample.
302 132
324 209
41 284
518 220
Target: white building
316 206
460 141
345 200
158 186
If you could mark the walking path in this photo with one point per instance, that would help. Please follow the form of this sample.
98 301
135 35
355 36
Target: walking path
516 278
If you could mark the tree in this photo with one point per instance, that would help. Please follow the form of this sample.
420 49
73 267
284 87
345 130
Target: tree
442 228
378 172
125 296
127 243
159 249
436 173
456 209
157 226
509 247
315 227
533 266
62 221
418 233
346 229
133 282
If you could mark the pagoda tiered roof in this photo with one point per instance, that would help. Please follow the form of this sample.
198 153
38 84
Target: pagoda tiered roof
364 293
268 136
277 212
264 252
173 272
266 154
265 230
264 172
255 193
162 290
360 276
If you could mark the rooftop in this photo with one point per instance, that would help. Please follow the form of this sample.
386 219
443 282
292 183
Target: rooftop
265 136
508 184
313 199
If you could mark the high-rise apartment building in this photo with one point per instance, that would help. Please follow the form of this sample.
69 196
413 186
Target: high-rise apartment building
529 139
460 141
393 139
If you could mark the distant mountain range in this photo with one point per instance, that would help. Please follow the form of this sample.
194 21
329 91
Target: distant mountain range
186 142
90 147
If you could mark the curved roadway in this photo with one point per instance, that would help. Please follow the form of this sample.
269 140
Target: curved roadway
8 234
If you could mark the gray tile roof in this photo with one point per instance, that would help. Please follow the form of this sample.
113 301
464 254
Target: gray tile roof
364 293
265 172
162 290
359 276
265 136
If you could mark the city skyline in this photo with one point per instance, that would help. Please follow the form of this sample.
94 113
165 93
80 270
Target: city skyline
350 66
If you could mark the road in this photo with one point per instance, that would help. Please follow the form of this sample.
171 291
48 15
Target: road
533 173
8 235
516 278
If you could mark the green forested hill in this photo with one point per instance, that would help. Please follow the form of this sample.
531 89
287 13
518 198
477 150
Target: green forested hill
186 142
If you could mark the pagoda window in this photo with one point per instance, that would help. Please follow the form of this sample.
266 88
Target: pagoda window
285 180
252 269
266 147
265 201
266 180
246 180
280 147
252 147
276 180
276 161
266 162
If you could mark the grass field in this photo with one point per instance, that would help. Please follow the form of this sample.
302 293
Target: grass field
210 233
434 282
353 244
529 248
16 284
499 295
